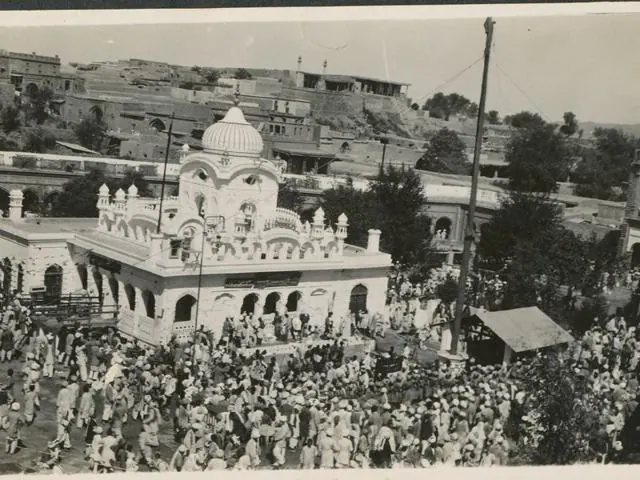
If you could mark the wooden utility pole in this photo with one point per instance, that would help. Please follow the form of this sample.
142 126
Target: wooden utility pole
469 236
164 173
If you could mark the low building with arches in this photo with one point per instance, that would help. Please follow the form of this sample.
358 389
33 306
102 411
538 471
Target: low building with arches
220 248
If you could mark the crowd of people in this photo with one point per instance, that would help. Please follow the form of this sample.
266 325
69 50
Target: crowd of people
320 407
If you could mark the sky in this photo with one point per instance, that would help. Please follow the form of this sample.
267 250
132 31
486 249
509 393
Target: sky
589 65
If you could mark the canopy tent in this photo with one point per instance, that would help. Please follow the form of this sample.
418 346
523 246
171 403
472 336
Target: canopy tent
522 329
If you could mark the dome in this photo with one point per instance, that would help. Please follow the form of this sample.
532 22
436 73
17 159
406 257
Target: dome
233 134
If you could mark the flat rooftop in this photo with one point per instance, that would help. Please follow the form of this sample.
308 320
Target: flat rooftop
47 226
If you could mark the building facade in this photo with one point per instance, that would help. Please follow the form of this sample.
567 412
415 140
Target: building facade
30 72
224 248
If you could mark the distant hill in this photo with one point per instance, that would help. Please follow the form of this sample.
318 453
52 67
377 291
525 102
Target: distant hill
589 127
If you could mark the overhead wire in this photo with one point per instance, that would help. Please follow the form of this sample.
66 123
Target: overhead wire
452 79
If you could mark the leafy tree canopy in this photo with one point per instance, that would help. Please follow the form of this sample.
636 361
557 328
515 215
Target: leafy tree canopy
242 74
606 166
570 126
538 158
91 133
393 204
445 153
39 140
443 106
10 119
536 252
78 197
524 120
493 117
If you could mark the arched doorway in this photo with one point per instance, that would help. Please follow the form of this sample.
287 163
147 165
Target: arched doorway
53 283
249 303
270 303
358 300
184 309
131 296
442 228
82 272
115 290
149 300
292 301
635 255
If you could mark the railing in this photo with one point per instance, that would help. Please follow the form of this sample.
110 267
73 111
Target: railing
284 219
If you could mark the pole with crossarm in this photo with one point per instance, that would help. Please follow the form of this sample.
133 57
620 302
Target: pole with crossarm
469 236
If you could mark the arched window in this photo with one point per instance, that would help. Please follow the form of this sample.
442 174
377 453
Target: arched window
149 300
53 282
358 300
130 292
270 303
184 309
293 300
249 303
443 228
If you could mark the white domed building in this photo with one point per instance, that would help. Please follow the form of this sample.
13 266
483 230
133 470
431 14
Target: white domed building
222 241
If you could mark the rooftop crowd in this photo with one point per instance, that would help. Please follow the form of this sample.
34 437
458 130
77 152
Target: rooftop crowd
320 407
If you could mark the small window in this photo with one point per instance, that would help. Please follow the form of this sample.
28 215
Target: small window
202 175
251 180
175 248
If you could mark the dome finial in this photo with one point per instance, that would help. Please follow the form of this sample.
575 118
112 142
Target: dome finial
236 95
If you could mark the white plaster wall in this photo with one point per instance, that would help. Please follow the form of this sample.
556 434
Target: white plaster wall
322 291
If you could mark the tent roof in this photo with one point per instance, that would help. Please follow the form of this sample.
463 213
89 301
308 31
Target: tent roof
524 329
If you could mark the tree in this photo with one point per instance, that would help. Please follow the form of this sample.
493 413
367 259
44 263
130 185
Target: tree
8 145
393 204
536 253
39 140
37 109
493 118
445 153
90 133
606 166
243 74
289 197
570 126
520 217
399 195
31 201
212 76
567 412
79 196
524 120
10 119
537 158
443 106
